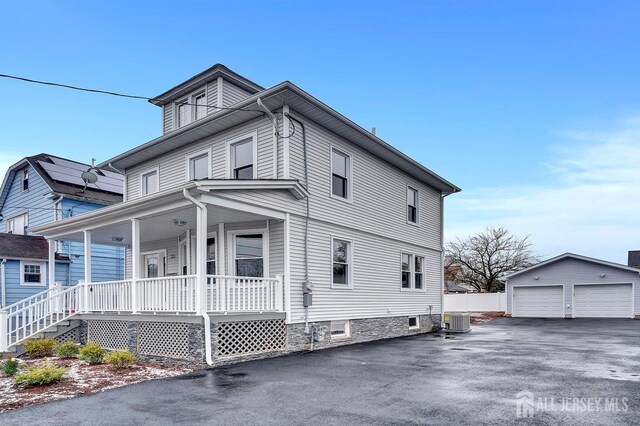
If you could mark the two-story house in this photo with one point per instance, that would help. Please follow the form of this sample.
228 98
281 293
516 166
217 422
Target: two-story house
42 189
261 222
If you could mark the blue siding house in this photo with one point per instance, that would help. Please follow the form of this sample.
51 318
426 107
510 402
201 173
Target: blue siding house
42 189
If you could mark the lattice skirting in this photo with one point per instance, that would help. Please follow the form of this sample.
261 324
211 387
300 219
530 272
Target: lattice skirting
72 335
251 337
168 339
109 334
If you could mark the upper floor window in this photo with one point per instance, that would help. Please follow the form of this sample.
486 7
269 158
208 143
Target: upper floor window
412 271
24 185
242 158
412 205
190 109
340 174
17 224
198 166
182 112
149 182
341 263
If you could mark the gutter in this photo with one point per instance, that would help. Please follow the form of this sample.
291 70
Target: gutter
205 315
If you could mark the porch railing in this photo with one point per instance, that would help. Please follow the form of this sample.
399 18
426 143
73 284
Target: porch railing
244 294
167 294
109 296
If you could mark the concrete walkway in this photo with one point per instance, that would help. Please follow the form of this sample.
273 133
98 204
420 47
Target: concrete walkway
428 379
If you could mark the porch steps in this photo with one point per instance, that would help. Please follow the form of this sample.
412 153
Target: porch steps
51 332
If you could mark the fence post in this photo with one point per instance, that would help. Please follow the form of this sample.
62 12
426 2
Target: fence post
223 293
85 296
4 331
279 294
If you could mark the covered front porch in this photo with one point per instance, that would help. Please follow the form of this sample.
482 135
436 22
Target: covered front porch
187 253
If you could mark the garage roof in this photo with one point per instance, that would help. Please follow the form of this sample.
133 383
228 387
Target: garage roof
574 256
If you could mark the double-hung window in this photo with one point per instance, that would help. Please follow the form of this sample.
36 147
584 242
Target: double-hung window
341 263
149 182
211 256
242 156
200 106
32 274
183 112
412 205
340 174
249 253
25 179
412 275
198 166
190 109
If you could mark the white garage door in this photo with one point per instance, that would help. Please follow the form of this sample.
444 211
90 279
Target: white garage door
602 301
538 302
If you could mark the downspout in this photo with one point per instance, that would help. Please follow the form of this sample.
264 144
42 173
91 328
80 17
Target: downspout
306 222
3 280
205 315
124 180
273 118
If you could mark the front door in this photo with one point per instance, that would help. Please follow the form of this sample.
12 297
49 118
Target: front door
153 265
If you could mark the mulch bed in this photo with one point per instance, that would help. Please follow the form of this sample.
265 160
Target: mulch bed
482 317
80 379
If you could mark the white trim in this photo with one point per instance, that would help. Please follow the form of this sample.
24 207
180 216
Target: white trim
190 99
349 198
155 169
417 326
22 179
406 207
231 248
347 330
219 98
633 295
187 162
254 138
183 259
12 218
216 259
412 264
287 267
241 206
43 278
578 257
350 262
564 297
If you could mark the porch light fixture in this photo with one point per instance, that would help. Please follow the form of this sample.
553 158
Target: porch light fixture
179 222
117 239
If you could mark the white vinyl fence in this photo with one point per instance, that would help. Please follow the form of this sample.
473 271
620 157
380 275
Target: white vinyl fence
475 302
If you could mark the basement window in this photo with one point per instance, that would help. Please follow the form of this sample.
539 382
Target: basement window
340 330
414 323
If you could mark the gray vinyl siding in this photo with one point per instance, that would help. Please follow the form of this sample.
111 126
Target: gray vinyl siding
276 247
232 94
167 118
171 245
212 96
173 165
376 267
574 271
379 192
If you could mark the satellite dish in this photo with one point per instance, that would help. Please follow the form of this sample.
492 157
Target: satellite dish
89 177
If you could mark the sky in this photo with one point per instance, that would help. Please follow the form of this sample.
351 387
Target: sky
531 107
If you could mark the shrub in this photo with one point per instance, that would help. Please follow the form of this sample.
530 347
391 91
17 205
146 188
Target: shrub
120 359
40 375
10 366
39 348
66 350
92 353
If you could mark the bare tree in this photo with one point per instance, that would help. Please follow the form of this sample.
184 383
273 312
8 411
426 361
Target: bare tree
486 257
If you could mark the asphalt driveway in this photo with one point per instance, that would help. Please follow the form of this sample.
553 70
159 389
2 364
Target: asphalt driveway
428 379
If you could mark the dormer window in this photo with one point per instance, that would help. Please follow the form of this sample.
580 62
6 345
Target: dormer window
25 179
190 109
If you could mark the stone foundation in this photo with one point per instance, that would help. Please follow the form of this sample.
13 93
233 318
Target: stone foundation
319 337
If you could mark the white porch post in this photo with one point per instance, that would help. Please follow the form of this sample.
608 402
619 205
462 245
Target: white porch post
87 268
221 265
135 263
52 263
287 269
201 260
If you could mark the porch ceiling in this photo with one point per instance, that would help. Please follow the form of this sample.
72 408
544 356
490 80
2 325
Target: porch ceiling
162 226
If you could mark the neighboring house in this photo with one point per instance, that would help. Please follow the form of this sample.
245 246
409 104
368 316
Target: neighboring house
261 222
39 190
574 286
452 282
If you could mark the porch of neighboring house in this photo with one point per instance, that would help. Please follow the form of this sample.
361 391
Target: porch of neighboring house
186 259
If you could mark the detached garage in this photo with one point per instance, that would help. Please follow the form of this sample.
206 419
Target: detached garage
574 286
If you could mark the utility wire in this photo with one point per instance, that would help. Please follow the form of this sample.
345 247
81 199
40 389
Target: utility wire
122 95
